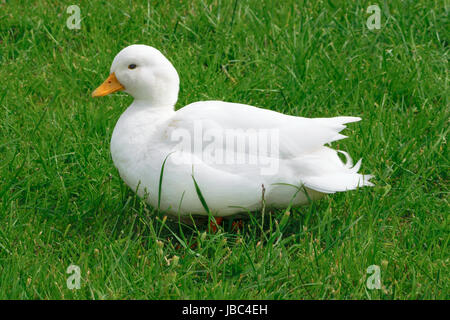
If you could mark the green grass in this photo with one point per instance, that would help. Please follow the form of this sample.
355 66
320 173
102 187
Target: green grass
62 201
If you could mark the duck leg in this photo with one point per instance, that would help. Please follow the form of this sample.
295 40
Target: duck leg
237 225
213 224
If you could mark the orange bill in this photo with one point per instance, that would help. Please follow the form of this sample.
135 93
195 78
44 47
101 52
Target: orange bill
109 86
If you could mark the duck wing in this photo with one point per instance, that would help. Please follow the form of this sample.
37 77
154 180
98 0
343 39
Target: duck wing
297 144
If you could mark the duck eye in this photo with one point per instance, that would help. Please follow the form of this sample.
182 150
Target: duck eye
132 66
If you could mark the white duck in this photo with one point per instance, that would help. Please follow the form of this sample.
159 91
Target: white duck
283 153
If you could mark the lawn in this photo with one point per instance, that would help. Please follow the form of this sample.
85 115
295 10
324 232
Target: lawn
63 203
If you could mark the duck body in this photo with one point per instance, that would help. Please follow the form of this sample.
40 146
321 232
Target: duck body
234 155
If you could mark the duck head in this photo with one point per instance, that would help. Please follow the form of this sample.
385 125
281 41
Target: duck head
144 73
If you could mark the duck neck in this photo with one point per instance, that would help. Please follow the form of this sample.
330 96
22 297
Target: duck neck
146 104
143 107
136 128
